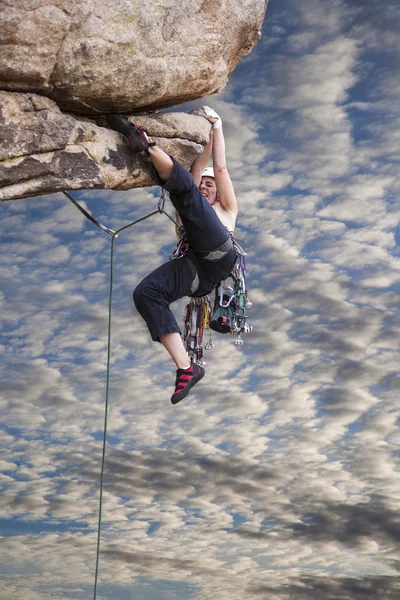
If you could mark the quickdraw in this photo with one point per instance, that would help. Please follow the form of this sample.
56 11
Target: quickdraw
182 246
196 320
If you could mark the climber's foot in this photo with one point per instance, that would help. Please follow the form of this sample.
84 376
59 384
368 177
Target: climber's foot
136 136
185 380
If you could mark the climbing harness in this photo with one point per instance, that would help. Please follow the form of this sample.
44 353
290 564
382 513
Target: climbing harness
230 303
114 235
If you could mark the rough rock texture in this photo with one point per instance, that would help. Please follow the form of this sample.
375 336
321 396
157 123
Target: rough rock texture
95 56
43 150
92 57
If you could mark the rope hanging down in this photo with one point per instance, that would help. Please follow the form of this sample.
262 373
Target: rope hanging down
114 234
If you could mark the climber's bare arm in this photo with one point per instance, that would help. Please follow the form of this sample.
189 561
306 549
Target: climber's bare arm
226 193
179 221
201 161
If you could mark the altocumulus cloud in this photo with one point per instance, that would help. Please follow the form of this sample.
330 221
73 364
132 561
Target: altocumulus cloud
278 478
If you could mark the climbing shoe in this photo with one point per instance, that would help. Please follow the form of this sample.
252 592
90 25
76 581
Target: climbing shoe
185 380
135 135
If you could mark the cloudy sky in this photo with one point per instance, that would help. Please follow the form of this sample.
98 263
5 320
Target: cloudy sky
276 478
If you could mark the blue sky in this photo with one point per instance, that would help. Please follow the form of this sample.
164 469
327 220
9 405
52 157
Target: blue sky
277 477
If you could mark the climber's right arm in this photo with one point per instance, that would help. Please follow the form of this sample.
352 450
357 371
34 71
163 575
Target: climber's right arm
179 221
201 161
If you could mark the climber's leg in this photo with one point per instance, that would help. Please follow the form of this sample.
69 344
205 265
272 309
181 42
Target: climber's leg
162 162
140 142
204 230
205 233
157 291
135 135
173 344
152 298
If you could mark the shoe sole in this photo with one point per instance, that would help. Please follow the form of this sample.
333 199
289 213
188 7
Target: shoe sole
119 124
123 126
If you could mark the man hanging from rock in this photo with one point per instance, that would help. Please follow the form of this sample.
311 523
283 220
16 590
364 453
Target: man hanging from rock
206 204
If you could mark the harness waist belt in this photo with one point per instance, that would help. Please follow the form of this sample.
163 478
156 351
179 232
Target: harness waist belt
218 253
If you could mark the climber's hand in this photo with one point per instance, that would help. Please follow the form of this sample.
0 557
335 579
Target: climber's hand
201 113
209 114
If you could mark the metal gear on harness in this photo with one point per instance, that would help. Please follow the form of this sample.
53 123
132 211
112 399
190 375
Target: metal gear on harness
230 304
196 320
182 246
229 315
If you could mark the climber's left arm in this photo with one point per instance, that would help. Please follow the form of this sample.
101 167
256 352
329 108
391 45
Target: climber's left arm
226 193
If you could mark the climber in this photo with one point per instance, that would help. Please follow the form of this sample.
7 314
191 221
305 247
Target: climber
206 204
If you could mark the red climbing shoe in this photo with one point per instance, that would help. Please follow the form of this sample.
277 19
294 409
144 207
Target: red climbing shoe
135 135
185 380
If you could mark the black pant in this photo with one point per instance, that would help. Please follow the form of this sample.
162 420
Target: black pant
173 280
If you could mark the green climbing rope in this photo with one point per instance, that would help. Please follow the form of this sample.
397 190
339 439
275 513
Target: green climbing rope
114 235
103 458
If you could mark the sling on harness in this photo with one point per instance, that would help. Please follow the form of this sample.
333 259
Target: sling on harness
230 303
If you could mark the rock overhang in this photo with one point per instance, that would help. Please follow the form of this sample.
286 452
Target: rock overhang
66 63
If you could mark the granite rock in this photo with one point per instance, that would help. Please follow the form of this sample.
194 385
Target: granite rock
43 150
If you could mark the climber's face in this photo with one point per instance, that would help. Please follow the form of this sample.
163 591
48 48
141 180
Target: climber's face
208 189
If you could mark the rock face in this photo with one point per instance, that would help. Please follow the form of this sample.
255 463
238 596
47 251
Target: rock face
43 150
92 57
